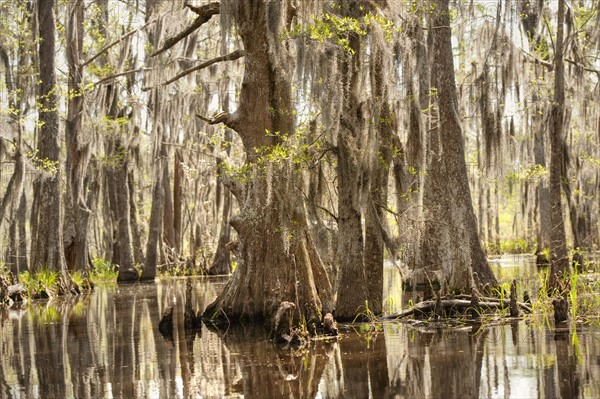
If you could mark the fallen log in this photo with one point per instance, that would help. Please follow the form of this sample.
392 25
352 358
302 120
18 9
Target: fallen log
431 306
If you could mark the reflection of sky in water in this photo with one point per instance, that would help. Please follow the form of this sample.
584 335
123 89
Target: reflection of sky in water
109 346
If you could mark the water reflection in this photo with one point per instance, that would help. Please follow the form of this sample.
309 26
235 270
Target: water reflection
107 344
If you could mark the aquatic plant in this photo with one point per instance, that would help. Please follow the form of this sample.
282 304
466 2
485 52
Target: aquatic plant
103 270
516 246
365 314
44 283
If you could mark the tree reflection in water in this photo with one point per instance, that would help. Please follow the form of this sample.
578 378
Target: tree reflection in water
107 344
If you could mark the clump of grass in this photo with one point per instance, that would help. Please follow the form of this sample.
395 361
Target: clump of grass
513 247
43 284
103 271
582 296
80 280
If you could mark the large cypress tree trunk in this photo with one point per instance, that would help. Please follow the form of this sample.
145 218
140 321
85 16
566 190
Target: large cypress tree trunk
451 250
47 228
559 260
353 289
277 260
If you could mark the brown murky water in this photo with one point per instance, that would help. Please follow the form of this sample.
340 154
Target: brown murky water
107 345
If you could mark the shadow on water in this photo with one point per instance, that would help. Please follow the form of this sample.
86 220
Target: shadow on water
107 344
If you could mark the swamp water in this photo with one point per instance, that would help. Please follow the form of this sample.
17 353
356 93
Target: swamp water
107 345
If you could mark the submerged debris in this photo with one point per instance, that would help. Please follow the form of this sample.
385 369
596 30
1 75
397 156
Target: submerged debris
561 309
165 326
329 325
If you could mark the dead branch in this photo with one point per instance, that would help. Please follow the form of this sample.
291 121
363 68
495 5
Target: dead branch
228 57
205 13
112 44
429 306
596 71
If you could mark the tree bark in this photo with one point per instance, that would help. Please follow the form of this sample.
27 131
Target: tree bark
559 260
353 289
154 227
76 210
47 236
375 215
277 257
451 250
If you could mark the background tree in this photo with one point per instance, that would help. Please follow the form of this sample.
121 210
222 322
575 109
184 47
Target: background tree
452 252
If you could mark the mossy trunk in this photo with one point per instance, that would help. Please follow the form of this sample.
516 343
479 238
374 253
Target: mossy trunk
451 250
277 258
559 258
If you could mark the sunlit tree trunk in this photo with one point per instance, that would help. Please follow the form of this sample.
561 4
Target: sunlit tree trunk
451 250
277 260
376 204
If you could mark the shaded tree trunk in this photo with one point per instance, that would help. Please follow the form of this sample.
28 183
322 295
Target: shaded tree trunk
559 261
77 212
116 176
353 289
154 224
47 228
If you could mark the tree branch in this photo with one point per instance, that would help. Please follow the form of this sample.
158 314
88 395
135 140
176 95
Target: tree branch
205 13
228 57
596 71
112 44
116 75
536 60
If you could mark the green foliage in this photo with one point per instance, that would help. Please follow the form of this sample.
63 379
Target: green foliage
43 164
103 270
81 280
516 246
532 172
364 313
42 283
335 29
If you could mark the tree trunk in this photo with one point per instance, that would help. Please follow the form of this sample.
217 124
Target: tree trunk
375 215
76 210
136 234
559 260
451 250
154 226
178 179
353 289
119 198
23 259
168 217
278 260
47 236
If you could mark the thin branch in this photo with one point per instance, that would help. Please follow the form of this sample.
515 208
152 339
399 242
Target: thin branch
327 211
221 117
116 75
597 71
228 57
536 60
112 44
205 13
